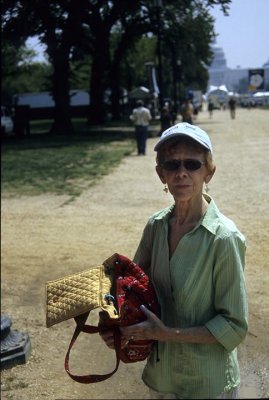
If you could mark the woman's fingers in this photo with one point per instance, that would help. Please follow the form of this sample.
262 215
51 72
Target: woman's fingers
149 314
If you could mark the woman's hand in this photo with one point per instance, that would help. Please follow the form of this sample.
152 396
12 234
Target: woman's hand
108 338
152 328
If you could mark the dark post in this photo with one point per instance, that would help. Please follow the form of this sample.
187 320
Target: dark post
22 120
158 5
15 345
178 79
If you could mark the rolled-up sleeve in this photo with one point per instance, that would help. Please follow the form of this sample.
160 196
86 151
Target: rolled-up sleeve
230 324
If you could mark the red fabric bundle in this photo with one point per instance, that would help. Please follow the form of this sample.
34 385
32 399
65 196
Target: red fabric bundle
131 288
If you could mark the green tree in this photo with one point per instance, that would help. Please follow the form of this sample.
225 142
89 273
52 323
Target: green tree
128 68
58 25
21 74
186 34
186 22
68 26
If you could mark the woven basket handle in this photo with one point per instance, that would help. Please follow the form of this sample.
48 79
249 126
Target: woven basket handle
81 327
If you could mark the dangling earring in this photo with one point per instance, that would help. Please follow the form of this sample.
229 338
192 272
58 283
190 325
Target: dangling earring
206 188
165 189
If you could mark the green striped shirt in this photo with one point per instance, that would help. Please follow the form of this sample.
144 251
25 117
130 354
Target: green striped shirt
202 284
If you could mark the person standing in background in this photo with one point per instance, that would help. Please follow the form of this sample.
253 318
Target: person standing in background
141 117
173 111
165 119
187 111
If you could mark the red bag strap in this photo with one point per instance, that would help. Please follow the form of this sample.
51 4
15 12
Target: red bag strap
81 327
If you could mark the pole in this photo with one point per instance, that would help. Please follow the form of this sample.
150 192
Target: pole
158 4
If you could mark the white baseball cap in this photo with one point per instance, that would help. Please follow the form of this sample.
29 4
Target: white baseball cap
184 128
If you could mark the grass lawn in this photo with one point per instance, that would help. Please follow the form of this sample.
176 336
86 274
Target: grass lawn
41 163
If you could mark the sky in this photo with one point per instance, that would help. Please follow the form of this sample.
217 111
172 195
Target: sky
244 34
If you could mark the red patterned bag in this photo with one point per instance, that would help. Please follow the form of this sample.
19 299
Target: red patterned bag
130 289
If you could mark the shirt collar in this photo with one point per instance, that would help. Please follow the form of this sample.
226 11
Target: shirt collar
209 220
211 216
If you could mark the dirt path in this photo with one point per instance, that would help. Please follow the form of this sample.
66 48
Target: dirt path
43 238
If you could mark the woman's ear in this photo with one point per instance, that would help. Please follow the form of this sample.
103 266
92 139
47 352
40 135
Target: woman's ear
159 171
210 174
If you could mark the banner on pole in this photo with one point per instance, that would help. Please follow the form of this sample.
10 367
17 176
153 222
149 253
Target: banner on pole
255 79
154 81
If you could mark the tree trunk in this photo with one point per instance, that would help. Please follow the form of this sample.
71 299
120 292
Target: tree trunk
100 62
62 124
97 106
115 93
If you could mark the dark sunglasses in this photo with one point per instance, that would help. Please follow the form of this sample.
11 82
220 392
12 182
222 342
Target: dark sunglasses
188 164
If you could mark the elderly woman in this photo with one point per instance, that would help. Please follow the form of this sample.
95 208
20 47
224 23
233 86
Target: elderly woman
194 256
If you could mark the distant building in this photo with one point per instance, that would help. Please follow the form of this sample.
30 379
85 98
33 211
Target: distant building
218 69
236 80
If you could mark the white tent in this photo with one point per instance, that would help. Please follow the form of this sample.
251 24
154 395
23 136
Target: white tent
261 94
140 92
261 98
233 94
216 89
218 94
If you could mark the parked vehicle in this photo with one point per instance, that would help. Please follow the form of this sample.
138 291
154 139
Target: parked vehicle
7 125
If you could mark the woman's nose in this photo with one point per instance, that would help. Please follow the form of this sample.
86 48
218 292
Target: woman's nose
181 171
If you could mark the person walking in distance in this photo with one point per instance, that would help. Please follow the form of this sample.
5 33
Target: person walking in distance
141 117
232 106
210 108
